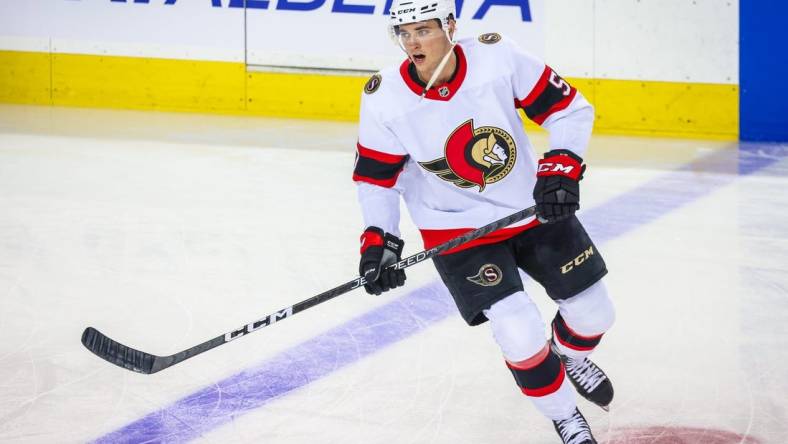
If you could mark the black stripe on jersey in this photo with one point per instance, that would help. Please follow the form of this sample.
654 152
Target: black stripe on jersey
551 93
377 168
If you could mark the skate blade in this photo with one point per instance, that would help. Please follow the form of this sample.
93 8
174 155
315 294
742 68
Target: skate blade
605 408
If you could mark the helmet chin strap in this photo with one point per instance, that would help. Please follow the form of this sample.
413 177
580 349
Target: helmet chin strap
441 65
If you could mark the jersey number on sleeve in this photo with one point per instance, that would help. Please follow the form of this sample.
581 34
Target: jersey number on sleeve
560 83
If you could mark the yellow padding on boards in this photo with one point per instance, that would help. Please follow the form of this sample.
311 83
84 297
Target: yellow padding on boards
25 77
666 108
622 106
305 95
144 83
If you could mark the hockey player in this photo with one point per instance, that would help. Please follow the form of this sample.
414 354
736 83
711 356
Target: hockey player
443 131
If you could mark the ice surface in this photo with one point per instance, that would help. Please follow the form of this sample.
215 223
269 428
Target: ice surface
164 230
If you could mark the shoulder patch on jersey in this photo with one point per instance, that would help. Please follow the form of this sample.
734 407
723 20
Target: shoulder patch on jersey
490 38
373 84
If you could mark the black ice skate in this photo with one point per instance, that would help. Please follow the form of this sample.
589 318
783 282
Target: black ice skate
574 430
589 380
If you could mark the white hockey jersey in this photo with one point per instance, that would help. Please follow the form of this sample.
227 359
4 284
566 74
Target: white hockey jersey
460 157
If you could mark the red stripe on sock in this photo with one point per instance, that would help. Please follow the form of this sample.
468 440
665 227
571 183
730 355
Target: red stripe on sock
574 333
548 389
568 345
531 362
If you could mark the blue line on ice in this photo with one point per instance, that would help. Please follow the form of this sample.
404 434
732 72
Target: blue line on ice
218 404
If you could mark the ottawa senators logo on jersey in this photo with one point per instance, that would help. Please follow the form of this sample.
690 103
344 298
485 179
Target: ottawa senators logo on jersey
490 38
373 84
475 157
488 276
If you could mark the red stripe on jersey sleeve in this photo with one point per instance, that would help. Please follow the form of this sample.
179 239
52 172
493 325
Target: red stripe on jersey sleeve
540 97
538 89
385 183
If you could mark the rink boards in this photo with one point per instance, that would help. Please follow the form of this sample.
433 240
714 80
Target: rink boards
649 68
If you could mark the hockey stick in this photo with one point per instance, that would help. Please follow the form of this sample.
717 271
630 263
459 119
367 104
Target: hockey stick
141 362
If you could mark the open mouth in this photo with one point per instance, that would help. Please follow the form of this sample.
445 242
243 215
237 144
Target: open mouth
419 58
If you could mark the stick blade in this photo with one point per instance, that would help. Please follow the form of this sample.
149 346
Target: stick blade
117 353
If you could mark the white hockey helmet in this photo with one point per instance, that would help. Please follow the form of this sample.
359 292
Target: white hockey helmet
404 12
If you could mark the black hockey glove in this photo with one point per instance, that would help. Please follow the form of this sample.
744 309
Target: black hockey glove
557 190
379 250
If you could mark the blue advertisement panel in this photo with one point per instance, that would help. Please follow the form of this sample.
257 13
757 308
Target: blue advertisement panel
764 68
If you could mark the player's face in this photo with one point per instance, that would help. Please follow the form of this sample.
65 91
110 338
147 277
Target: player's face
425 42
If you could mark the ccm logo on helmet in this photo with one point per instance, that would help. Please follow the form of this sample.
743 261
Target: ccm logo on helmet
555 167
